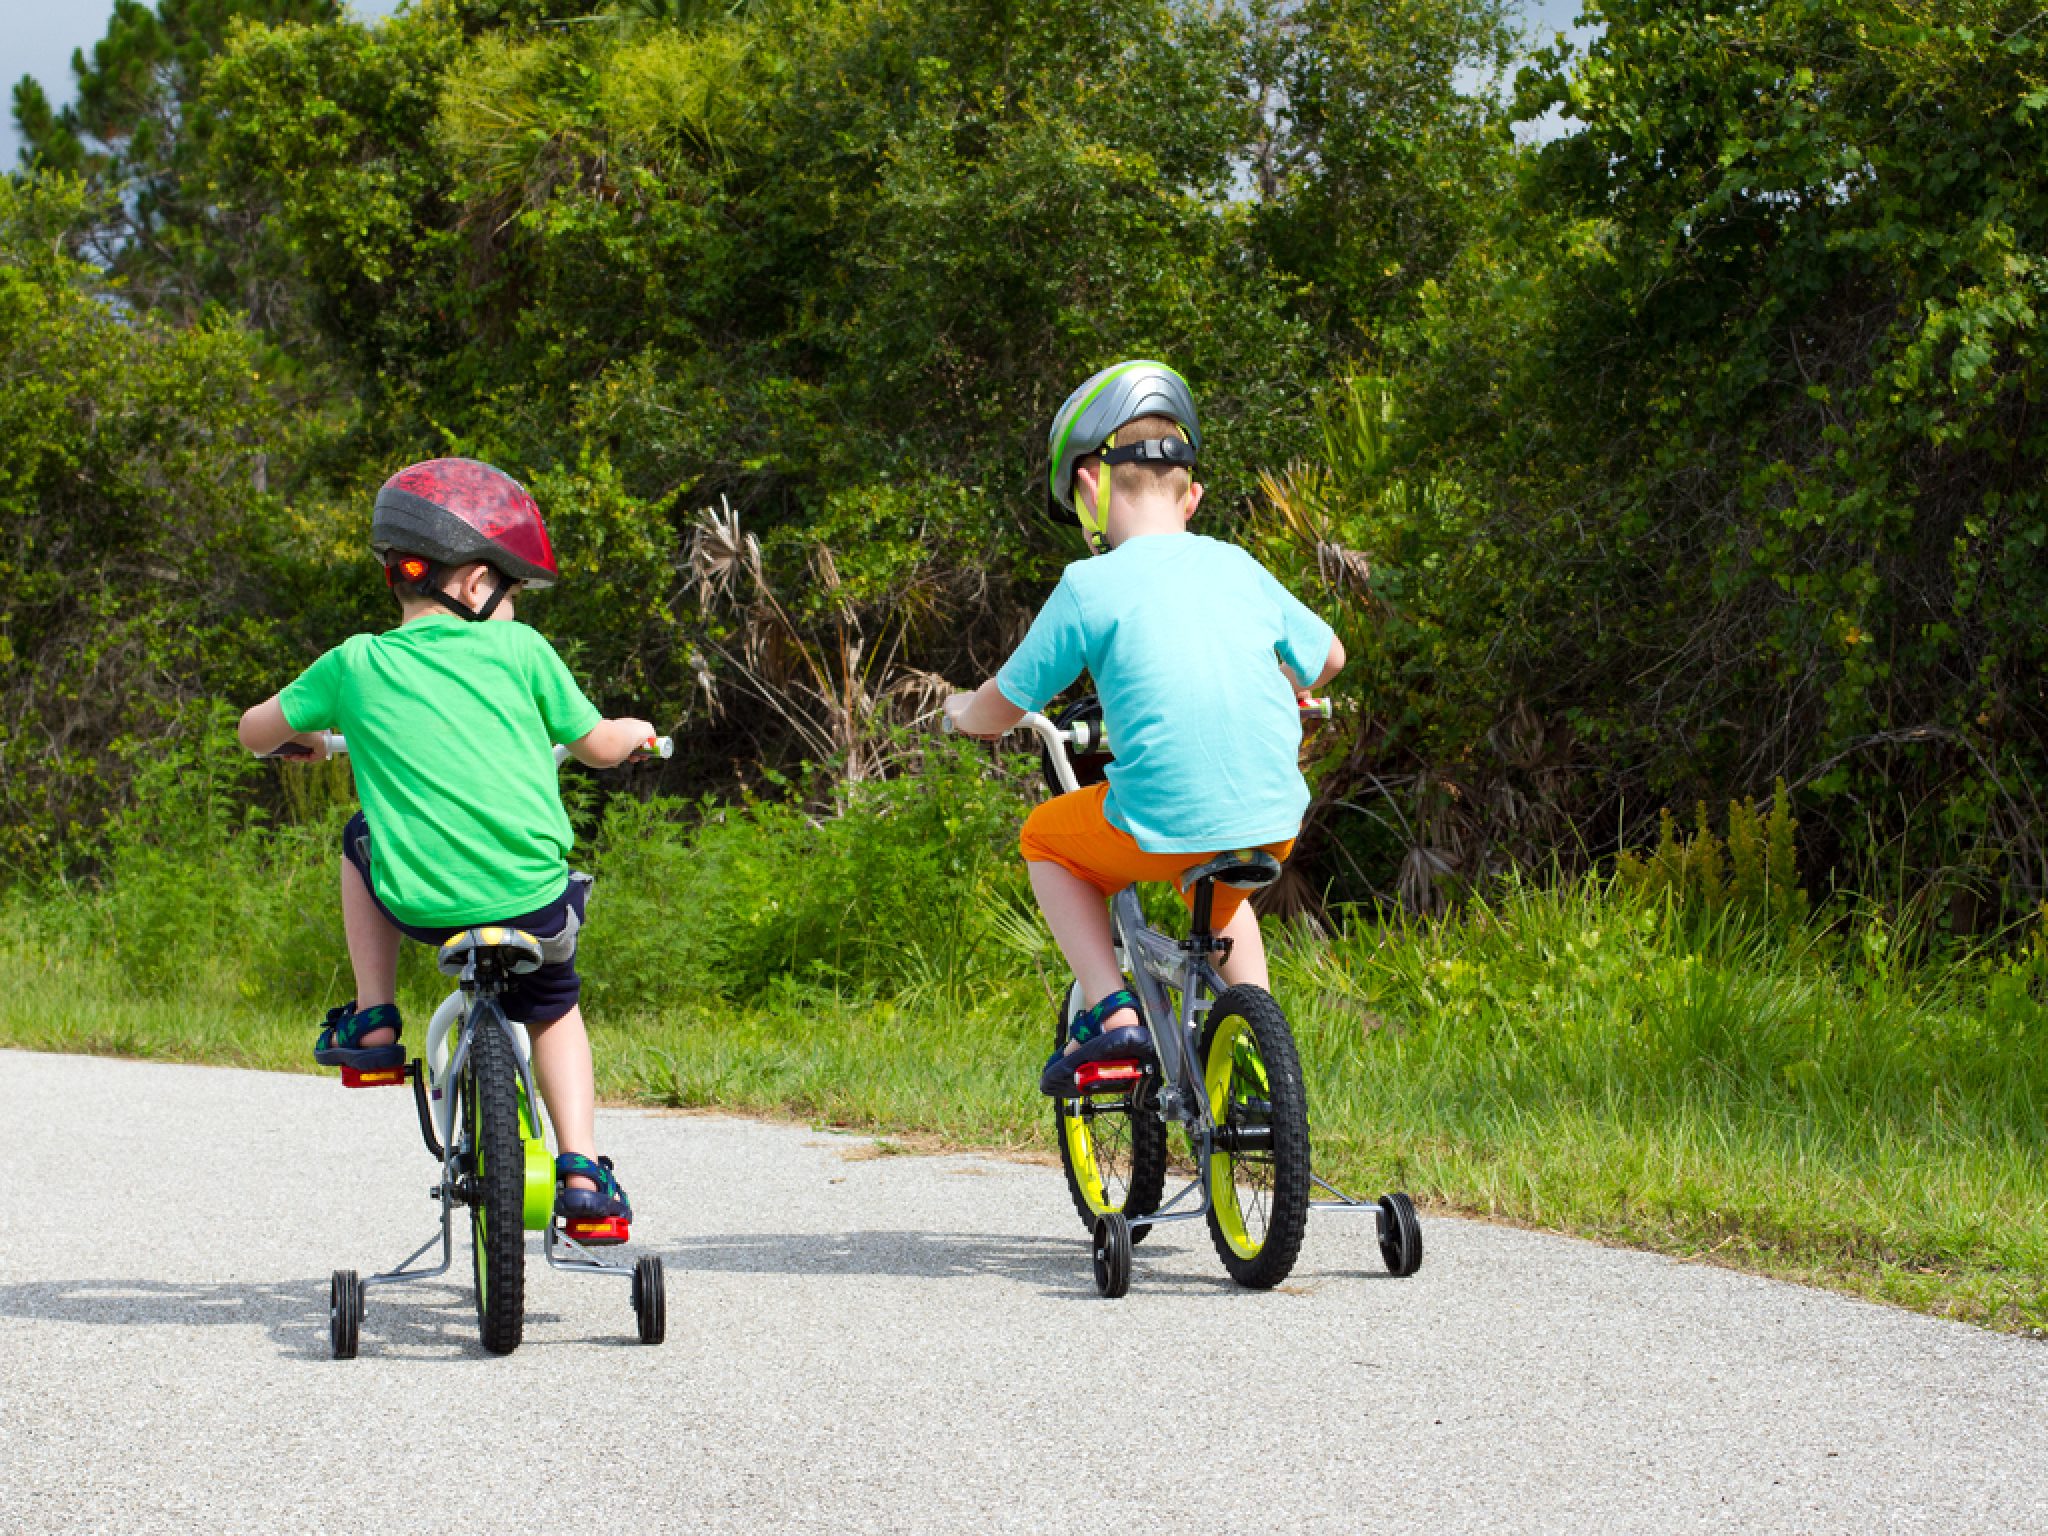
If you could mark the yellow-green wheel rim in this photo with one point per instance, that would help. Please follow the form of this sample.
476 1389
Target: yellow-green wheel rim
1232 1036
479 1231
1081 1156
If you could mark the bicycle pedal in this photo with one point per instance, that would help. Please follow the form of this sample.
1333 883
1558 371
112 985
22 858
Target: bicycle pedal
376 1077
1107 1076
598 1234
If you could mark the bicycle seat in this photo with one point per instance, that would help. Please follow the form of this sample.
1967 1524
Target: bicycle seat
1247 869
521 950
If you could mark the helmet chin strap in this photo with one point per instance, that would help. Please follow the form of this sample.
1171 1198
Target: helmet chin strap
502 585
425 578
1095 523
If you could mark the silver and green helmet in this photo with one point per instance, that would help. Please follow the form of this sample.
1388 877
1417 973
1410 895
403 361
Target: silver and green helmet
1088 423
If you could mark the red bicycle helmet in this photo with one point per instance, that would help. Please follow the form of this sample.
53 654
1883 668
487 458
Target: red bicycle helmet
449 512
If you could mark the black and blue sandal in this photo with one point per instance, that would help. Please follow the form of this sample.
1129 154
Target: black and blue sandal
594 1217
340 1043
1096 1044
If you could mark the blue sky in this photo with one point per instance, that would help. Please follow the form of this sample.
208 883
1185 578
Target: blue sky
39 36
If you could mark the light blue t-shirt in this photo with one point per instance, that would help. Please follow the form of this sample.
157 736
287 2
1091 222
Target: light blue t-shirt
1184 637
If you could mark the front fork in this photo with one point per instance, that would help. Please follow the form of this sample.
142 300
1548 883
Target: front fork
440 1065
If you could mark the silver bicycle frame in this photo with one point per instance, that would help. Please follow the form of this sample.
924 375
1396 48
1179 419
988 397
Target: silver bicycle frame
1156 963
559 1249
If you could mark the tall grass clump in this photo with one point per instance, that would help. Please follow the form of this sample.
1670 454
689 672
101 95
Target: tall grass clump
1608 1059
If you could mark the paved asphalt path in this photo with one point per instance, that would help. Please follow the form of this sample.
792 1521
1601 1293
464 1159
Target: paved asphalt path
903 1344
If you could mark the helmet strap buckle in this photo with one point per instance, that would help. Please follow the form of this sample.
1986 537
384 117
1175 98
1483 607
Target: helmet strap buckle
1172 451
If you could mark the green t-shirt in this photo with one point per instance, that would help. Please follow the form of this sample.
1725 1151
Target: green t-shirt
451 727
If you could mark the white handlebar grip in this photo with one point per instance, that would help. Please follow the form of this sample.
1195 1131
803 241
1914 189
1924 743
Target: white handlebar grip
663 747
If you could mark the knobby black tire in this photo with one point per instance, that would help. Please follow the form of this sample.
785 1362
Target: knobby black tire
1280 1173
498 1155
344 1313
1141 1169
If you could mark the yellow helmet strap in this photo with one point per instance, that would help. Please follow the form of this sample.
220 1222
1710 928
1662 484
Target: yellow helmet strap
1095 521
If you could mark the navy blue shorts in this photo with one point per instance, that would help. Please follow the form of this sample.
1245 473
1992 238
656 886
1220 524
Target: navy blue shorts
538 997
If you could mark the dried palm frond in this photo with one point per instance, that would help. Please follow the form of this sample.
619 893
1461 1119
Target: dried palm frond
840 693
720 554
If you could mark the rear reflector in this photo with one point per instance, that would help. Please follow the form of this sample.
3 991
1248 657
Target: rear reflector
381 1077
612 1229
1107 1074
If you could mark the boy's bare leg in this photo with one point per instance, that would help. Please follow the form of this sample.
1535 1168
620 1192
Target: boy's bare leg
568 1084
372 949
1079 921
1246 966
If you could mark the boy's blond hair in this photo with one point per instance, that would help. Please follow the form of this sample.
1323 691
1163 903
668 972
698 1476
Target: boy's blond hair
1173 479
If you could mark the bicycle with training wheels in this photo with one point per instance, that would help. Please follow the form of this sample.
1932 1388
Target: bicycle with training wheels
481 1117
1224 1069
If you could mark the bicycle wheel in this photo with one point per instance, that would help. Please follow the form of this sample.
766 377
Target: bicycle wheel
497 1182
1258 1163
1113 1149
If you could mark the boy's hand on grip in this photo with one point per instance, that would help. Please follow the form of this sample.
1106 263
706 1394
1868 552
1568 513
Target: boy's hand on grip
955 706
309 747
646 742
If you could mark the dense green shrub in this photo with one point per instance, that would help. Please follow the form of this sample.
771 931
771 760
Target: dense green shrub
1680 453
1742 379
136 522
903 883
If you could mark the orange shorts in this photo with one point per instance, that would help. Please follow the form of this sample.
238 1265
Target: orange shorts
1072 832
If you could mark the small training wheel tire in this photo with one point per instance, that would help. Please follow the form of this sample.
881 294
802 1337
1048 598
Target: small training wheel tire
344 1313
650 1301
1400 1235
1112 1246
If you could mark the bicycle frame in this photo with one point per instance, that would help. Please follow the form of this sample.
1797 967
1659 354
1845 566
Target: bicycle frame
435 1097
436 1075
1155 963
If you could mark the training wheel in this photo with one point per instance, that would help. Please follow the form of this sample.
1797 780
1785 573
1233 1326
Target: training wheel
1400 1235
344 1313
650 1301
1112 1253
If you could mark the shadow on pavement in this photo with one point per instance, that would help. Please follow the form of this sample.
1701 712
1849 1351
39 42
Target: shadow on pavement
425 1321
1058 1267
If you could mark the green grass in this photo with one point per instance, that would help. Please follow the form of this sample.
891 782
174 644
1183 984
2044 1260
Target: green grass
1792 1103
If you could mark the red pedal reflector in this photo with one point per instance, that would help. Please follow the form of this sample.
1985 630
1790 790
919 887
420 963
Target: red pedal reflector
380 1077
613 1229
1107 1074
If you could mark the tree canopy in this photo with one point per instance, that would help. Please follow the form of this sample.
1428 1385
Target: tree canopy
1690 450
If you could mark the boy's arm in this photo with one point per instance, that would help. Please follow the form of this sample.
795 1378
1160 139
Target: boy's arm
610 742
1331 667
983 714
263 729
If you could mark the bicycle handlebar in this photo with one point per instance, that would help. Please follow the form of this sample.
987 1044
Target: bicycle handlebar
1090 736
663 747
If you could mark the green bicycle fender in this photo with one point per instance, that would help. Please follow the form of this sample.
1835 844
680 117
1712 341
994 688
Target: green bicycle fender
539 1209
540 1186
